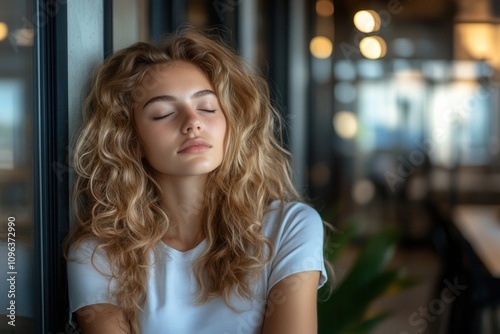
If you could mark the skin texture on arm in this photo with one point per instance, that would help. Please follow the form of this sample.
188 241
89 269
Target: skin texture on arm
102 319
291 306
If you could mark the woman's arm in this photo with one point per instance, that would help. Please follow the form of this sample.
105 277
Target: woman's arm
102 319
291 305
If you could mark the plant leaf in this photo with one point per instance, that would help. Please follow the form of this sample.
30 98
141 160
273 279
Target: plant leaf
365 281
367 325
374 257
347 307
339 240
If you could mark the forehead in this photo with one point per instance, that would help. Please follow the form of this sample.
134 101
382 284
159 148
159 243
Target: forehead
175 78
175 74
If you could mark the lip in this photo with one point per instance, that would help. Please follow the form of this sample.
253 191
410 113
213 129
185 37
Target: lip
194 145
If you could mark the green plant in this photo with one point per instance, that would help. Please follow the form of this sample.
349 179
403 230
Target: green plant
345 311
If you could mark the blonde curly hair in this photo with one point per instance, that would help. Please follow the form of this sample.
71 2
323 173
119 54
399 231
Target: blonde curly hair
116 196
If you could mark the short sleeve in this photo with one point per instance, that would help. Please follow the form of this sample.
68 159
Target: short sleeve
88 285
298 243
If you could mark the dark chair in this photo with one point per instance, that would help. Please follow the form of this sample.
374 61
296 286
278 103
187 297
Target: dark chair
460 262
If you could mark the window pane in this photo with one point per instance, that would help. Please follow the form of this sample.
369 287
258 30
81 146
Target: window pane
16 169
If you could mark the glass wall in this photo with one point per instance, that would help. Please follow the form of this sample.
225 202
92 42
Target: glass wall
17 289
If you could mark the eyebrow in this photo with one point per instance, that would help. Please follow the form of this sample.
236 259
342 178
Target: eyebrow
170 98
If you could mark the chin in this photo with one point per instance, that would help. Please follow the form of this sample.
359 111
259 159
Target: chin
198 170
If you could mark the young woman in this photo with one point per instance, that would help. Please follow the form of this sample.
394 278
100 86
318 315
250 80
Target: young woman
187 220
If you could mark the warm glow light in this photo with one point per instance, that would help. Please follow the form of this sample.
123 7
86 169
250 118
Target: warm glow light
367 21
321 47
478 39
363 191
373 47
24 36
4 31
324 8
345 124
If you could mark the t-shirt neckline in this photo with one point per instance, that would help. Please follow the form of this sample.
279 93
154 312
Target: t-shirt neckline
180 256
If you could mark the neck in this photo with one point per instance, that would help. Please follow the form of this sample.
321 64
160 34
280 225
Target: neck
184 201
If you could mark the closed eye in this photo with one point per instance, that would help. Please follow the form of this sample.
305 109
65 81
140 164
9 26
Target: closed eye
161 117
207 110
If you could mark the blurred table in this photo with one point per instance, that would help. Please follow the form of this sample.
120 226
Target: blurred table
465 186
480 226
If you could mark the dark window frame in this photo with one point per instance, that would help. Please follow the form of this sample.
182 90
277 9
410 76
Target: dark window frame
51 164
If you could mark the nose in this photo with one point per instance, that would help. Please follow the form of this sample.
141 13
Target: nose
192 122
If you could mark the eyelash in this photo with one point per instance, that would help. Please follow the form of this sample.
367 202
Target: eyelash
161 117
165 116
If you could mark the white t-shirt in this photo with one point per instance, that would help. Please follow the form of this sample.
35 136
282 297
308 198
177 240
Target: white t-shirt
170 305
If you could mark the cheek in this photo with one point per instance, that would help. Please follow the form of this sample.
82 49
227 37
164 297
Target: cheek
149 140
144 139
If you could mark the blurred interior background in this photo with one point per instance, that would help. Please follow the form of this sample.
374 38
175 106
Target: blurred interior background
391 113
